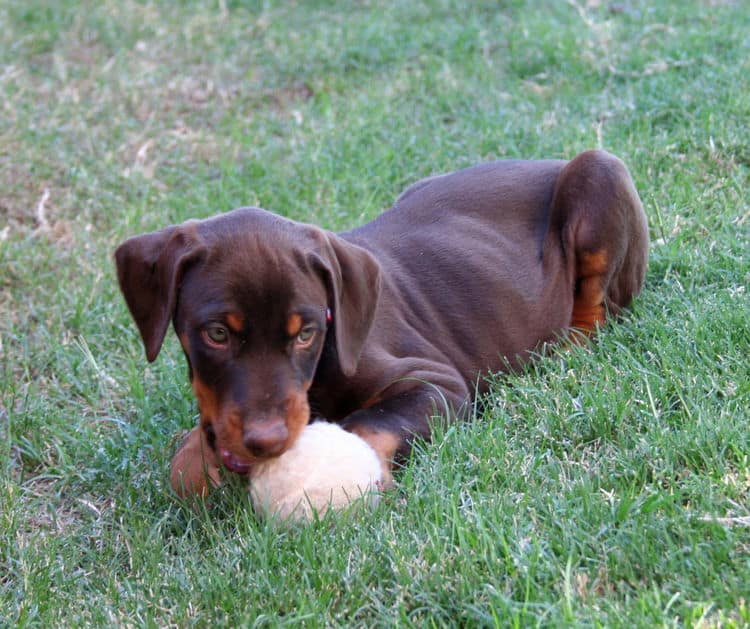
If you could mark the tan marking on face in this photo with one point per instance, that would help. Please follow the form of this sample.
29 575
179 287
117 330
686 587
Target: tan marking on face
226 422
229 423
235 321
208 405
293 325
297 417
229 430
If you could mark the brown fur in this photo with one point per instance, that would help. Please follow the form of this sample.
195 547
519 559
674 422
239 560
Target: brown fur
195 467
467 273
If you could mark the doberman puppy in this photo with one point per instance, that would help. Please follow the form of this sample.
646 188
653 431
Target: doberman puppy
382 327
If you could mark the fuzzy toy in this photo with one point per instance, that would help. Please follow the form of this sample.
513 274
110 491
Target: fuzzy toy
327 467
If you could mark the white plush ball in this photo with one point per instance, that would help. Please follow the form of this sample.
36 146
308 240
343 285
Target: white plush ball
326 468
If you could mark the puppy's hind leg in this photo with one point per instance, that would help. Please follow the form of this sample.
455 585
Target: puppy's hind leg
604 236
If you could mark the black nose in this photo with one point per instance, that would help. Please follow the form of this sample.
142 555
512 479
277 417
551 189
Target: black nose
266 439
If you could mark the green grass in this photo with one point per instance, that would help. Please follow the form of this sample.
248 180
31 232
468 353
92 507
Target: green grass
607 486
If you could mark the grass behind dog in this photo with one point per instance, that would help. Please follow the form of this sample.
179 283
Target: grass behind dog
606 485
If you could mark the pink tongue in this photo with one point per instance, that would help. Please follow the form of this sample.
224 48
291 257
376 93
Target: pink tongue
233 464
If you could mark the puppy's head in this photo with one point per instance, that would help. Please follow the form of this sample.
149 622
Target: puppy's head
253 298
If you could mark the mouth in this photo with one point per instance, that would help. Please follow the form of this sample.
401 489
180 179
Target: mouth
234 463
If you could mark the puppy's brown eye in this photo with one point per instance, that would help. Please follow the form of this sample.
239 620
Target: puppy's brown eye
305 337
215 335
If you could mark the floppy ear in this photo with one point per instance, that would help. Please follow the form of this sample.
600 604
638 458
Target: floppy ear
149 269
352 277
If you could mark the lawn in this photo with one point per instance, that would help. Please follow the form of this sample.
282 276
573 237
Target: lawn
605 486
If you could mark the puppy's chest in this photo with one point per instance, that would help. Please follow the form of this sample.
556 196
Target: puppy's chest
331 403
332 396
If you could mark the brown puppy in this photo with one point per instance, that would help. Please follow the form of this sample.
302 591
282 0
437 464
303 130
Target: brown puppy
381 327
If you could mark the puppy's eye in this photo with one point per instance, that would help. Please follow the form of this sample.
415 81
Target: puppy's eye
215 335
305 337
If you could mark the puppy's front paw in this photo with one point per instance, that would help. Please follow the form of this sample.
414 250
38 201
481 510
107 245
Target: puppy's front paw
195 468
